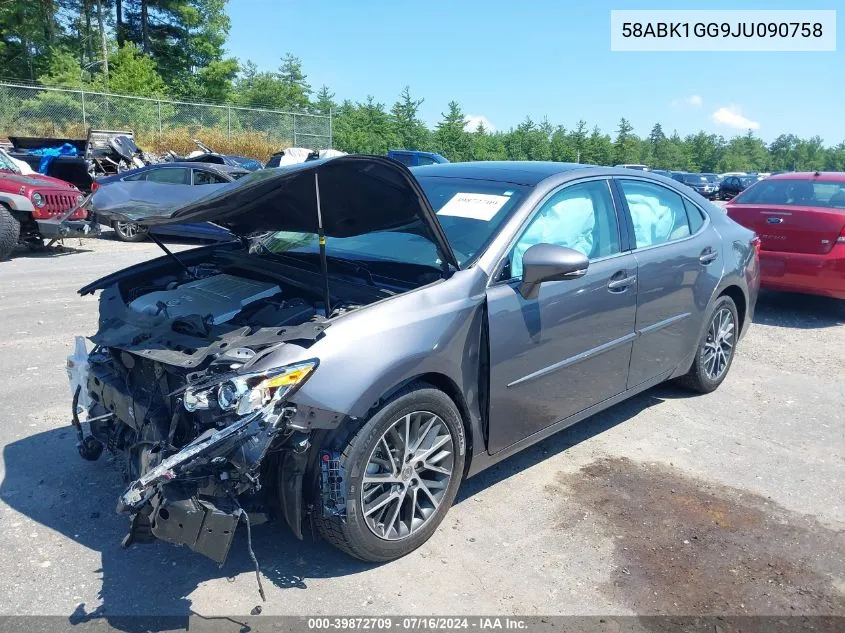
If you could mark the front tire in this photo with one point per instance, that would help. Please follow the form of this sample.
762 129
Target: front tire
10 230
130 231
716 348
402 472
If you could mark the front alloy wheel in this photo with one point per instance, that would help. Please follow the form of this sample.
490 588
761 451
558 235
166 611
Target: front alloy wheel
407 475
402 470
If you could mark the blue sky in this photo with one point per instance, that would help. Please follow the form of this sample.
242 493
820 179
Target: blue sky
503 60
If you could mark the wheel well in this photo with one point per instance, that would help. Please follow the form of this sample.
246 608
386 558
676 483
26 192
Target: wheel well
735 293
447 386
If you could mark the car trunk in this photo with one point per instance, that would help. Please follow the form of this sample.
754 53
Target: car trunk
791 229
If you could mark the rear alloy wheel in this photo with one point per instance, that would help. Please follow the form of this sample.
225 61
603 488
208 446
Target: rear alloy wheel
402 470
130 231
716 349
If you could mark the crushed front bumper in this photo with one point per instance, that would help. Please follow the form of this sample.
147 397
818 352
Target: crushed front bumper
172 507
60 229
205 525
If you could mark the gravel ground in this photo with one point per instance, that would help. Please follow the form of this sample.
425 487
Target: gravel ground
731 503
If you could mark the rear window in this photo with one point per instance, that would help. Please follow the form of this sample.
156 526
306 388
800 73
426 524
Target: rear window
795 192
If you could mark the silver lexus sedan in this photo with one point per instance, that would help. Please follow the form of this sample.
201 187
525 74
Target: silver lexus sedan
372 336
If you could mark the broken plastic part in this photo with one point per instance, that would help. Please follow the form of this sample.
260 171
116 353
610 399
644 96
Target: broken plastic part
331 484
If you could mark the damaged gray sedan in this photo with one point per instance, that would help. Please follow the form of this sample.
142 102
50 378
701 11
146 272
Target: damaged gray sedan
370 338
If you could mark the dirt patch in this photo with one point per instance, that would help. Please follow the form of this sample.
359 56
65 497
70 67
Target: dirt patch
684 546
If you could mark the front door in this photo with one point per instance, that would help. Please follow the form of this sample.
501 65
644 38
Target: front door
569 348
679 259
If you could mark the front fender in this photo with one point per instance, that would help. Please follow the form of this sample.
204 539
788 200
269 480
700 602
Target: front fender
16 202
366 354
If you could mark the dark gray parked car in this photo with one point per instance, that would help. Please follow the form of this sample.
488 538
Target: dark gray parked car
387 335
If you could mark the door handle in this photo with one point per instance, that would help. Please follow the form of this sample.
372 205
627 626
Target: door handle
708 256
621 284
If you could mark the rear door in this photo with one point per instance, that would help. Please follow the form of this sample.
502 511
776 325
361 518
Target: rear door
793 216
679 264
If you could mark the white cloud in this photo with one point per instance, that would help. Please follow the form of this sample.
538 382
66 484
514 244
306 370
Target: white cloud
732 117
693 101
472 121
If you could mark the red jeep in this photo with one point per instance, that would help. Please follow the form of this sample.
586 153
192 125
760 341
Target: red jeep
35 207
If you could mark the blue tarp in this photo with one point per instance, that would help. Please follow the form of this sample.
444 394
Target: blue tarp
48 154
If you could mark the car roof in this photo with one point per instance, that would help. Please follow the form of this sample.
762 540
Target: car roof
809 175
517 172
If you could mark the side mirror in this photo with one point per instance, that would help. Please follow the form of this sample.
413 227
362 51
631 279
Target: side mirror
548 262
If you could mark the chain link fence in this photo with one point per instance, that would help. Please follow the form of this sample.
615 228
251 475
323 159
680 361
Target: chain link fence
69 113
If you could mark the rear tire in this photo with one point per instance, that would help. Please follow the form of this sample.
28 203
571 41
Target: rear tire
130 231
422 493
10 230
715 352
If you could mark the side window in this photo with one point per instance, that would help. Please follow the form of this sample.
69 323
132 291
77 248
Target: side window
425 160
694 216
581 217
405 159
658 214
202 177
168 175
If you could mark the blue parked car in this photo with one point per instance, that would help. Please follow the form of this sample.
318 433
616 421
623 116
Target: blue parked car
189 174
414 158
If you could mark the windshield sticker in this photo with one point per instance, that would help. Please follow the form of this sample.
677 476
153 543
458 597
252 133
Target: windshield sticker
476 206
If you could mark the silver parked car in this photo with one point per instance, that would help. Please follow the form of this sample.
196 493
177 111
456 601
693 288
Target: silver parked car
379 335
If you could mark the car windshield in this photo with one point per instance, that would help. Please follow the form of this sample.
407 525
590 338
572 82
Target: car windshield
710 177
470 212
7 163
694 179
796 192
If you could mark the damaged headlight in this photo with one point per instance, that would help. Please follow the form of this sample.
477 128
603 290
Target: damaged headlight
249 392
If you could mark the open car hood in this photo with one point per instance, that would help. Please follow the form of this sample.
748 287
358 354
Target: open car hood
358 194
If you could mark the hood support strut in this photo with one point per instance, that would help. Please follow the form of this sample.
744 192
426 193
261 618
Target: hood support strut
324 264
169 253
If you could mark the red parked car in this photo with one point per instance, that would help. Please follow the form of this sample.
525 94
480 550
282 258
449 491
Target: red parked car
800 218
35 207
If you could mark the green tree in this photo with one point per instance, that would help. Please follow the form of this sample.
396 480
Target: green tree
486 145
599 149
561 146
363 128
411 132
450 138
626 146
295 89
133 73
324 101
28 34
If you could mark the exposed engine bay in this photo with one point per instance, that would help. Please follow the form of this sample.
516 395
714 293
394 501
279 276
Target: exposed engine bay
194 379
168 388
